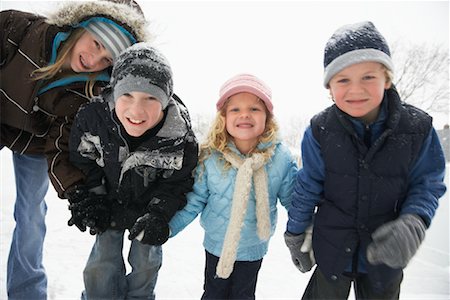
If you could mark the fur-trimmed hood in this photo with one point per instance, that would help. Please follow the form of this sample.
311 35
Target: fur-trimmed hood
128 15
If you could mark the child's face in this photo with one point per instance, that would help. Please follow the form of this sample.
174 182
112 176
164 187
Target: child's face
138 112
245 119
359 89
89 55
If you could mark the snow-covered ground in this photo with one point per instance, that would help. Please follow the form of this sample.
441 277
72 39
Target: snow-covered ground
181 277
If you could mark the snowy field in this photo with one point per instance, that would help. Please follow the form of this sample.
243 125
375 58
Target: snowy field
181 277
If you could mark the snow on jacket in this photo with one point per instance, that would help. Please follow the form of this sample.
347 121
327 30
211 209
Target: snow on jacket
36 117
156 176
212 197
357 186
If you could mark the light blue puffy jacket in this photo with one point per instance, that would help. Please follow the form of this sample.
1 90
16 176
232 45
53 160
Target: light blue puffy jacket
212 197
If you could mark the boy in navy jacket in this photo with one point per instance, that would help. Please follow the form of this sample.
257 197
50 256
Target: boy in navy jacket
373 171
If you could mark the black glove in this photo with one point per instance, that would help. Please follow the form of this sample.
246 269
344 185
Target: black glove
88 209
97 213
396 242
154 227
301 250
77 195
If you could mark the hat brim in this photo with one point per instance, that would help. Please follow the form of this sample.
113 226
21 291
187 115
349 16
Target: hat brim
244 89
354 57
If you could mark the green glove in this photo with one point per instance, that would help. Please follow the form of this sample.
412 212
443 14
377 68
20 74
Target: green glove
396 242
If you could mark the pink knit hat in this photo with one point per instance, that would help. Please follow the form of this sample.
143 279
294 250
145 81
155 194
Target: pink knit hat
245 83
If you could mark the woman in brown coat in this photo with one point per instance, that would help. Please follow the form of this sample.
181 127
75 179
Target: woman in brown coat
49 66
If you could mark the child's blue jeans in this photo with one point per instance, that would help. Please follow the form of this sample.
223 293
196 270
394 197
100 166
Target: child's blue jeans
105 274
26 278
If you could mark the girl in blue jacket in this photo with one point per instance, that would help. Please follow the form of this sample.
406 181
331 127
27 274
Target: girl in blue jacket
232 192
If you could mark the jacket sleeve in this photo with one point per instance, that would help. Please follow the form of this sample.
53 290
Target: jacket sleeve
426 182
308 185
63 174
13 25
285 192
170 195
91 173
67 167
196 202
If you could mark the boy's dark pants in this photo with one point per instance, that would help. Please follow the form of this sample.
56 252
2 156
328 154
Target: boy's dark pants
240 285
321 288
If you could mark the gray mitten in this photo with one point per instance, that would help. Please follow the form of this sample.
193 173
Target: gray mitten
301 250
396 242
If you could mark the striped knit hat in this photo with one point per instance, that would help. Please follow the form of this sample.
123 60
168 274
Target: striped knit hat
352 44
114 37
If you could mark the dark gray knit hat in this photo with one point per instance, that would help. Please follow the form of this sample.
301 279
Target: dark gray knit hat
142 68
352 44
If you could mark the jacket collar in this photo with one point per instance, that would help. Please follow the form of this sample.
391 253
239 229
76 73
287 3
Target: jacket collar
261 146
388 117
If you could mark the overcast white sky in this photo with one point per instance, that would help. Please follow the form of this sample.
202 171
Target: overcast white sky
281 42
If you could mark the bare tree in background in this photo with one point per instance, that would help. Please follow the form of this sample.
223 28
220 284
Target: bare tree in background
422 75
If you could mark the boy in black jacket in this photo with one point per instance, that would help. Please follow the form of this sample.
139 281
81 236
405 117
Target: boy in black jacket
137 149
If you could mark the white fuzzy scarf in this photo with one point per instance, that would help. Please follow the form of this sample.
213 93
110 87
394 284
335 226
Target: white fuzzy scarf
252 167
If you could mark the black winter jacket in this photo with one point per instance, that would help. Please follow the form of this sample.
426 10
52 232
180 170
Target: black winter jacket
155 177
36 119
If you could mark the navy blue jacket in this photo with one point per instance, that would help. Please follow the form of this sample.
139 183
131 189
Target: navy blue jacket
358 186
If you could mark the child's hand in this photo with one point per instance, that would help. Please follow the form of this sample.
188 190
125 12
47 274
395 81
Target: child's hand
155 228
396 242
76 195
301 250
97 214
88 209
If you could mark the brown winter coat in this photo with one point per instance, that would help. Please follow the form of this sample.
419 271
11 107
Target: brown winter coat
34 123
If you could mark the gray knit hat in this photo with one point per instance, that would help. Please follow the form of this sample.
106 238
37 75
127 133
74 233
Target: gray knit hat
114 37
352 44
142 68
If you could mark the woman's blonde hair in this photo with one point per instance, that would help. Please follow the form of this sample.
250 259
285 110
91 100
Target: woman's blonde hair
218 136
50 71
